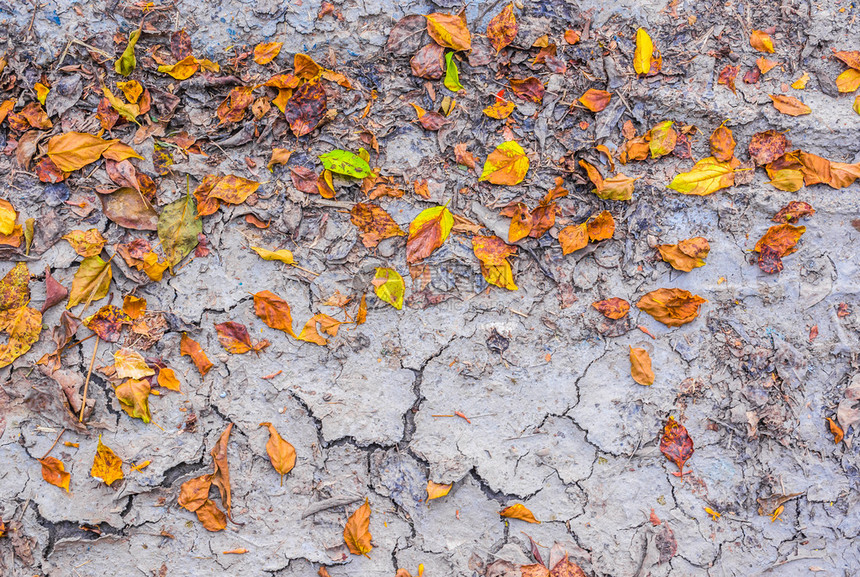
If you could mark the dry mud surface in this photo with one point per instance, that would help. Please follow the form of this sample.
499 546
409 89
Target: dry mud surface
556 422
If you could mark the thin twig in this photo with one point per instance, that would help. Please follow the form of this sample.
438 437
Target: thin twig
87 383
57 440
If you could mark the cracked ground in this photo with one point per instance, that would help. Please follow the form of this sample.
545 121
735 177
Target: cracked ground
553 419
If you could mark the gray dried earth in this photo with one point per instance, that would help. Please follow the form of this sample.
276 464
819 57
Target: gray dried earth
556 421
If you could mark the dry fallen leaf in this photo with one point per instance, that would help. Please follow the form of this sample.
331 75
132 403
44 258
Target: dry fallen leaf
190 347
722 144
389 286
107 323
789 105
55 473
130 364
274 311
374 223
595 100
356 533
761 41
671 306
427 232
506 165
235 339
437 490
86 243
265 52
502 28
676 444
643 53
613 308
687 254
493 253
779 241
707 177
518 511
107 466
133 397
640 367
281 453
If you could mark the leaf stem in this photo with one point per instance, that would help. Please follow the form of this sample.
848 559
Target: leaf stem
87 383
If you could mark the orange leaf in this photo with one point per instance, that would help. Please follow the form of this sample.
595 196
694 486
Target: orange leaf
265 52
838 434
793 212
233 189
374 223
449 31
54 472
493 253
722 144
356 533
133 397
232 109
767 146
437 490
573 238
687 254
600 227
195 492
281 453
211 516
190 347
789 105
274 311
107 323
676 444
761 41
221 476
614 308
672 307
310 333
518 511
502 28
727 76
595 100
640 367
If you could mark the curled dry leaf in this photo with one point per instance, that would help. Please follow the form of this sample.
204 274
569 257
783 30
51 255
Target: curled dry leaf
281 255
437 490
506 165
676 444
687 254
640 367
310 333
211 517
789 105
493 253
613 308
389 286
618 187
502 28
356 533
793 212
836 431
728 75
518 511
232 108
767 146
428 62
600 226
671 306
777 242
55 473
449 31
281 453
190 347
221 475
235 339
643 52
761 41
107 466
595 100
306 108
427 232
86 243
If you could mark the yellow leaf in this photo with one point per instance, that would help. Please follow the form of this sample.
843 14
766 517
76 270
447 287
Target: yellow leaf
41 92
265 52
183 69
8 217
389 286
643 52
493 253
427 232
167 379
507 164
130 364
91 282
128 111
133 397
663 139
706 177
131 89
449 31
848 81
107 466
436 490
356 533
857 104
500 110
640 367
86 243
518 511
282 255
800 83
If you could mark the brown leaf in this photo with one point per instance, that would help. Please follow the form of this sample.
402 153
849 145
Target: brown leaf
107 323
530 88
427 232
614 308
54 291
793 212
595 100
194 493
281 453
55 473
221 476
767 146
304 179
232 108
129 208
518 511
274 311
356 533
722 144
640 367
687 254
676 444
374 223
566 568
672 307
521 221
407 35
728 75
463 156
235 339
211 516
502 28
190 347
306 108
429 62
781 238
600 227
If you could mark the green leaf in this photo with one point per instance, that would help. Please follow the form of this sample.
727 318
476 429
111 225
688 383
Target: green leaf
178 227
452 75
389 286
346 163
125 64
